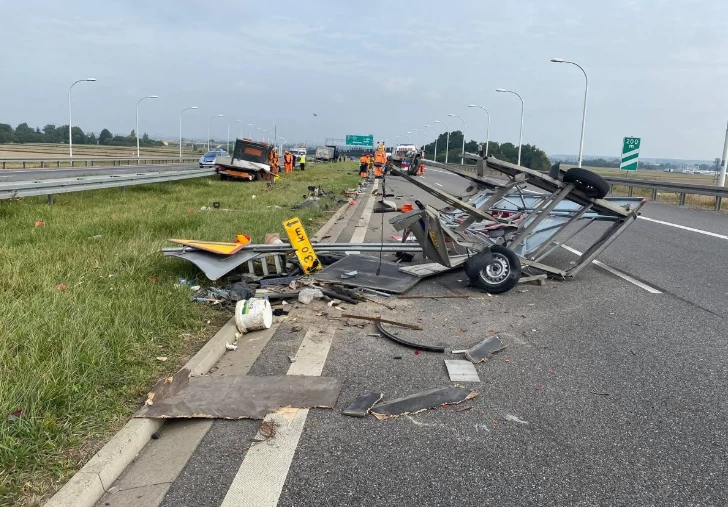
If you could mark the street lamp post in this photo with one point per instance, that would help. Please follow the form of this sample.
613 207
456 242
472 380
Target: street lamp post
487 132
180 129
70 128
436 136
465 126
251 130
241 127
583 114
447 145
137 119
208 128
520 136
424 138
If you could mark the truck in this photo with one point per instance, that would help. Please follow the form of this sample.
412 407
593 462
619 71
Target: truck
326 153
249 161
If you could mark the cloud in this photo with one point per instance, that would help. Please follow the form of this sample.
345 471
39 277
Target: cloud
398 84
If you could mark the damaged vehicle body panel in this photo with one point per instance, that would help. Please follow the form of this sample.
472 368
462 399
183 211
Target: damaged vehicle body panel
248 162
504 226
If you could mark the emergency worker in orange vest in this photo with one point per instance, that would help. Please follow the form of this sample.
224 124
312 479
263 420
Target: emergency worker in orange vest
380 160
363 166
288 161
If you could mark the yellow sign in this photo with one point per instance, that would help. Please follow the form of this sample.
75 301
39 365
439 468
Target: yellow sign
216 247
304 250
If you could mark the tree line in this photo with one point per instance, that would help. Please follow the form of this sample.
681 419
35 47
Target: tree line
531 156
59 134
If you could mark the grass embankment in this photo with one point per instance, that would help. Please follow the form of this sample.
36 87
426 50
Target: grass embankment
83 151
89 302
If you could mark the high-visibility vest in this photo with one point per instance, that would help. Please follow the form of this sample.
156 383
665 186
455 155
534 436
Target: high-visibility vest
303 158
288 158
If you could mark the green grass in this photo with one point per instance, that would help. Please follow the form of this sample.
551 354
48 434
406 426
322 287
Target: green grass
78 361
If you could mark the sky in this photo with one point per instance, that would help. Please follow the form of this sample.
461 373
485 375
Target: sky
657 69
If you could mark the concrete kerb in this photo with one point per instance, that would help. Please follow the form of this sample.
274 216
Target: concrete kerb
90 483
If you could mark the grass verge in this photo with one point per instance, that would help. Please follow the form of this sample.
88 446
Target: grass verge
90 303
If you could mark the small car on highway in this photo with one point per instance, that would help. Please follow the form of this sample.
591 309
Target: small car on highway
208 159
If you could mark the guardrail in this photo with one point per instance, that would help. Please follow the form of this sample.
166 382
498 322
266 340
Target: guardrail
96 161
682 189
49 187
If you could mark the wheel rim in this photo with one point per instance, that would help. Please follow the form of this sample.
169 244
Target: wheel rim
497 271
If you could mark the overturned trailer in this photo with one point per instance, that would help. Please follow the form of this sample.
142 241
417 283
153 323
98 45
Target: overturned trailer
249 161
512 226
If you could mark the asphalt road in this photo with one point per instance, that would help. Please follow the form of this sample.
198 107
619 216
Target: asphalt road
606 394
38 174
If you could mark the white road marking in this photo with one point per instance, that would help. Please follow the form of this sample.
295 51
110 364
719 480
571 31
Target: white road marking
691 229
263 472
623 276
363 226
436 183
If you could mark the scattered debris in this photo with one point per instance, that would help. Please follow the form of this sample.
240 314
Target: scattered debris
236 396
463 409
459 351
161 358
362 405
461 371
515 419
291 359
240 290
156 435
62 286
402 341
268 429
349 274
599 393
14 416
485 349
419 402
308 294
385 321
40 223
296 329
229 346
279 312
441 296
372 274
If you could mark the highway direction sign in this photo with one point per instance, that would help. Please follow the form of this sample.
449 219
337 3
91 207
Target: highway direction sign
630 153
360 140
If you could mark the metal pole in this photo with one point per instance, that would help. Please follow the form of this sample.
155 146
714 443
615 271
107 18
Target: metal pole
583 114
180 129
228 139
70 122
136 131
520 135
208 134
447 145
721 178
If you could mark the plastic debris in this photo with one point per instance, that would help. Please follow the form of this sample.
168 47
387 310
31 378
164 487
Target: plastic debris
349 274
308 294
161 358
230 346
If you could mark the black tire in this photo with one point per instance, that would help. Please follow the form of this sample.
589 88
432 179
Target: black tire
258 176
223 177
588 182
496 270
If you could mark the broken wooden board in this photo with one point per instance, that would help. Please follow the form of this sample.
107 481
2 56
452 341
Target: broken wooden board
419 402
361 406
236 397
215 247
434 268
371 274
485 349
461 371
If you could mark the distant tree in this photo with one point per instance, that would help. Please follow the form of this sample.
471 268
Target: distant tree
51 134
716 164
24 134
7 135
145 140
91 139
105 137
78 136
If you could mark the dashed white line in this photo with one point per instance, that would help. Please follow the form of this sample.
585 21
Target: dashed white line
436 183
691 229
363 225
623 276
263 472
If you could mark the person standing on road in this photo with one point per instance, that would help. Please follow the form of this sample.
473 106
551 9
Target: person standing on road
363 166
380 160
288 161
303 161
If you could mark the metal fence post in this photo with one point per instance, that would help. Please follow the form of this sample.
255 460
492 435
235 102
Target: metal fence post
50 198
629 191
718 202
682 198
654 194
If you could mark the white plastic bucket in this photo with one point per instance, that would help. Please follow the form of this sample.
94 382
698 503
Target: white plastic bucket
253 314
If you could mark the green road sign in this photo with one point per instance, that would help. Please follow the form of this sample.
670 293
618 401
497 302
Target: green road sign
360 140
630 153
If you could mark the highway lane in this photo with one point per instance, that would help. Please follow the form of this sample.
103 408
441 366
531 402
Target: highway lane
606 395
36 174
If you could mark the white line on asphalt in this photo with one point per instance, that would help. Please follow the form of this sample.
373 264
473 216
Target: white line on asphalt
436 183
623 276
363 225
699 231
263 472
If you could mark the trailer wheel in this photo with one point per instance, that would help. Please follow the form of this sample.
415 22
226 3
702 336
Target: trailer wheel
223 177
258 176
496 270
588 182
